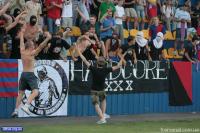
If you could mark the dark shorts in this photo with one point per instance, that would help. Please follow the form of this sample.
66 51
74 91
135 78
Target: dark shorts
28 81
97 96
106 38
178 34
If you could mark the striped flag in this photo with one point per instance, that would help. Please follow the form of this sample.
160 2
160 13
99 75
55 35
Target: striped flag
8 78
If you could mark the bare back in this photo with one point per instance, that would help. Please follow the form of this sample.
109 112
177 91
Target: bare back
82 46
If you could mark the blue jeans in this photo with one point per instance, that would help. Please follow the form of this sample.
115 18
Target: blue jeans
52 27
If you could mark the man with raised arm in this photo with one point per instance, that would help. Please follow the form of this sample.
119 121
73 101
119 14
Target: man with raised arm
99 73
28 80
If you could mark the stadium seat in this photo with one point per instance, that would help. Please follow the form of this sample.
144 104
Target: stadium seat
76 31
167 56
133 32
174 34
171 53
146 33
169 36
126 33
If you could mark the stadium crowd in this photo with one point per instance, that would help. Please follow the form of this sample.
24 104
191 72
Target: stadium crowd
102 27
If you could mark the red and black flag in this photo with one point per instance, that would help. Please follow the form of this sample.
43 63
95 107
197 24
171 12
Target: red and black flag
8 78
180 84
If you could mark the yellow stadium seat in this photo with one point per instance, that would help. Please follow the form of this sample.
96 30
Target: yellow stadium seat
174 34
146 33
166 54
126 33
133 32
76 31
171 53
169 36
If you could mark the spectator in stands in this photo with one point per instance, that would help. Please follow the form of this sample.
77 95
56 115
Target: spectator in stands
14 33
98 94
152 9
32 29
182 17
6 25
83 12
94 7
67 14
99 45
191 50
34 9
112 48
17 4
155 28
141 11
107 28
195 15
157 47
119 17
83 43
130 13
168 13
129 50
104 7
90 52
67 34
92 22
142 49
55 47
175 4
53 13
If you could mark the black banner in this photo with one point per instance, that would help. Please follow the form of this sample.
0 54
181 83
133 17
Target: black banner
144 76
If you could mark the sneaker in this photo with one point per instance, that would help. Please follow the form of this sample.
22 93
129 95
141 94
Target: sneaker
106 116
26 109
102 121
14 114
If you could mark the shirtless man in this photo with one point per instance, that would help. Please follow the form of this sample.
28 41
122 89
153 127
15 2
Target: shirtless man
28 80
83 43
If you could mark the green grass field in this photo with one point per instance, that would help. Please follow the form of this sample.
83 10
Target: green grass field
115 127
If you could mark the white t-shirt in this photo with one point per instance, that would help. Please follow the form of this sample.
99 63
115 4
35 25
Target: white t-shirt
181 14
119 13
67 10
167 11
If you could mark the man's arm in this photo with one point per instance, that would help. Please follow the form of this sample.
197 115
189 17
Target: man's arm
22 45
120 63
134 56
43 44
16 21
82 57
188 57
57 5
5 8
81 14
